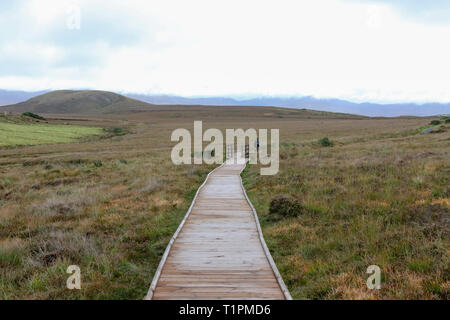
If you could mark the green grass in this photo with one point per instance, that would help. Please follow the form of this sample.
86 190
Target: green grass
33 134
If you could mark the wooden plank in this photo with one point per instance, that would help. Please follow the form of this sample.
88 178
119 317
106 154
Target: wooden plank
217 252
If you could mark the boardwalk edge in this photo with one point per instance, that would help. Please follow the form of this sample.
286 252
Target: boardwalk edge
277 274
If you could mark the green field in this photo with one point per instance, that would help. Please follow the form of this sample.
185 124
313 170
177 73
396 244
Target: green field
32 134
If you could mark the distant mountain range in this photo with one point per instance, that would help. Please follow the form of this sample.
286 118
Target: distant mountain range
330 105
11 97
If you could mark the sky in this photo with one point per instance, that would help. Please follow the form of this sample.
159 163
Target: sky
358 50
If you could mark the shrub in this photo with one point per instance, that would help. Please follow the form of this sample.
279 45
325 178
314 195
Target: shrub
285 206
325 142
33 115
117 131
98 163
447 120
435 122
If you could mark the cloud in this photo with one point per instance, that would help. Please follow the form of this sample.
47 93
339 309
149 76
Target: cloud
357 50
429 12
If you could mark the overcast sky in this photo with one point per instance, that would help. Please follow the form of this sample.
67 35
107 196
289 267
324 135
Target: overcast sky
381 51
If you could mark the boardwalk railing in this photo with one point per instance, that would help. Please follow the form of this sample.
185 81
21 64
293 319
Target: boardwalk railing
230 151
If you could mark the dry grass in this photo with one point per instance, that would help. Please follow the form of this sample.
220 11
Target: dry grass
60 206
378 196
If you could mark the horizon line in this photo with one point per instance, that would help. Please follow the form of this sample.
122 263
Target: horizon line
238 97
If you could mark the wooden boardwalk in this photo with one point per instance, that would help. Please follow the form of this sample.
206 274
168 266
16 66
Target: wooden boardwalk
218 251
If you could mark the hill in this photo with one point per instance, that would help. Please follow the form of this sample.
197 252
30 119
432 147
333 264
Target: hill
97 102
75 102
91 102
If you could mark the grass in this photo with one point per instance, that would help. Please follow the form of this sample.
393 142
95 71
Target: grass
383 201
325 142
109 206
114 226
33 134
378 196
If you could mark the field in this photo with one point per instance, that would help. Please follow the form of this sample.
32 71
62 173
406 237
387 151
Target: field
371 199
20 134
379 195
